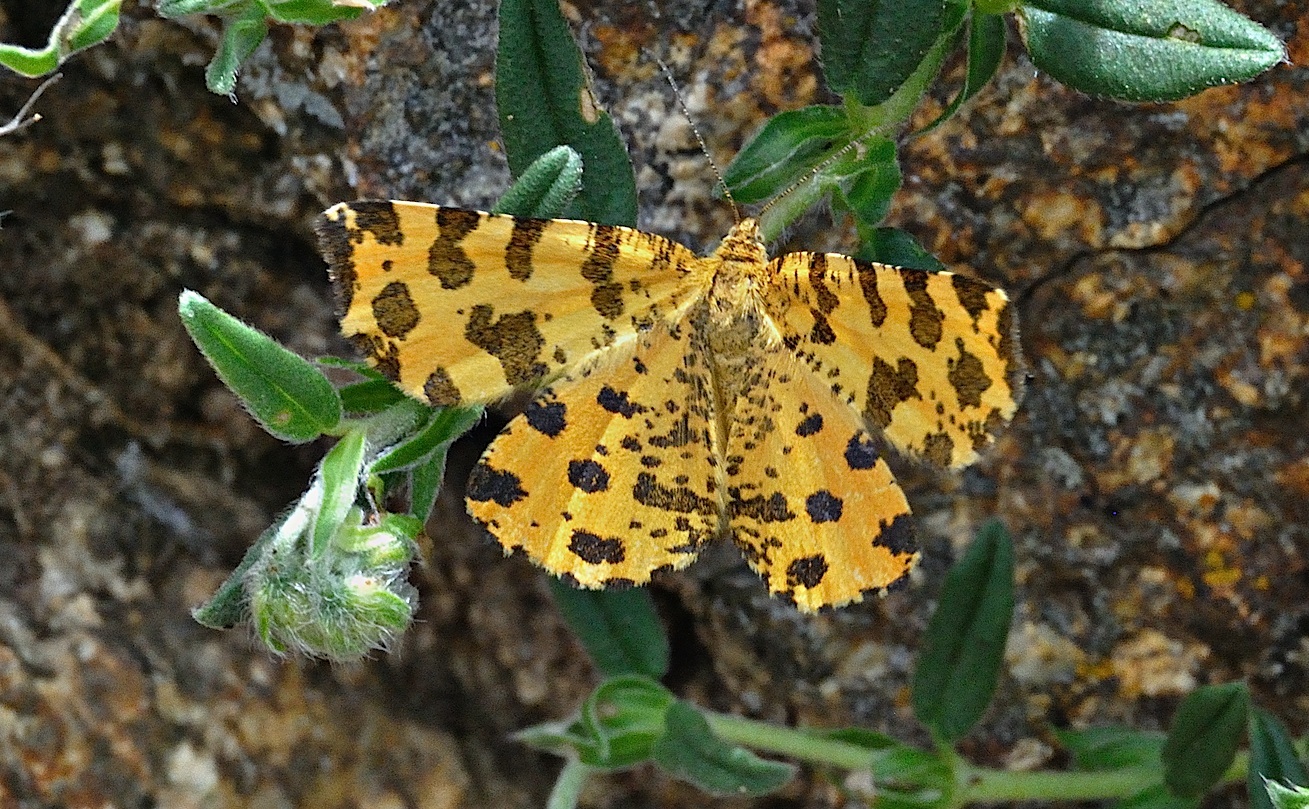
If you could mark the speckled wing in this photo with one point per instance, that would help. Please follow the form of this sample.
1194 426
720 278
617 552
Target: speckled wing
813 508
460 306
930 358
609 476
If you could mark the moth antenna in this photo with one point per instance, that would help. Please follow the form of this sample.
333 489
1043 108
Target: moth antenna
686 113
829 160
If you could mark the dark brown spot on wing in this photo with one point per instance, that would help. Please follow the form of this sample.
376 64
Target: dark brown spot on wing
518 253
378 217
807 571
446 259
494 485
588 475
888 387
868 283
598 268
898 537
607 299
595 549
860 452
385 354
763 509
649 492
440 389
925 318
334 244
548 417
394 310
972 295
823 506
513 339
812 425
968 377
1008 348
617 402
938 448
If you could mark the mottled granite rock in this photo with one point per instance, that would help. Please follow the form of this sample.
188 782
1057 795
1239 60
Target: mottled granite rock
1155 479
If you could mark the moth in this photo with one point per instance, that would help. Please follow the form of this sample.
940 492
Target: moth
679 398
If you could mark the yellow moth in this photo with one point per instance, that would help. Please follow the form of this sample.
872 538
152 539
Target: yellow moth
679 398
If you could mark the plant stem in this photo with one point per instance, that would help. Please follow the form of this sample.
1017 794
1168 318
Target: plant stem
980 784
788 742
568 786
976 784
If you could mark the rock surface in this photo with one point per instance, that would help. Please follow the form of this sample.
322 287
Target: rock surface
1155 480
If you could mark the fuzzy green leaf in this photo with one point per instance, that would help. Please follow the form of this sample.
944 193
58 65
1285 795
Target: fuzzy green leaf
619 628
689 750
790 144
83 24
870 47
230 605
1205 733
285 393
546 188
616 727
311 12
897 248
1273 758
869 185
963 648
1287 796
241 35
1150 50
545 101
370 396
181 8
442 428
340 472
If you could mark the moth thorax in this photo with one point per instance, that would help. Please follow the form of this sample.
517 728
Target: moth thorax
743 245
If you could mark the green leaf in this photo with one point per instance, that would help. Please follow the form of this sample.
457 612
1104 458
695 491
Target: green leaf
545 101
1149 50
1202 741
963 648
370 396
866 190
425 482
895 763
616 727
442 428
1157 797
241 35
181 8
689 750
790 144
97 20
285 393
1288 796
311 12
897 248
230 604
83 24
870 47
340 472
1112 748
625 715
546 187
986 47
1273 758
619 628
